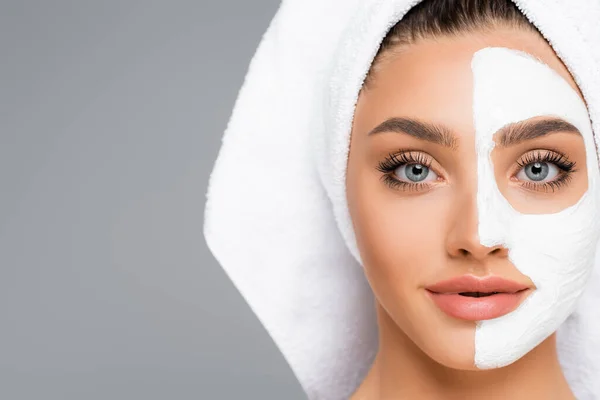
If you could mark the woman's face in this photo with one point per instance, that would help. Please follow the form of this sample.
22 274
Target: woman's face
466 160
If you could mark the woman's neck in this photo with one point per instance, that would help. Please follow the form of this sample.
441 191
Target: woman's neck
402 371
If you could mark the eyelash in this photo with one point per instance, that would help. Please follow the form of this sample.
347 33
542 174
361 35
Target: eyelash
565 166
395 160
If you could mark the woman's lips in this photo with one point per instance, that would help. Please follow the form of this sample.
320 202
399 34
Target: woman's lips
476 299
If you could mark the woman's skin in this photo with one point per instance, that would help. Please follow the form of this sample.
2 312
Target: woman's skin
410 236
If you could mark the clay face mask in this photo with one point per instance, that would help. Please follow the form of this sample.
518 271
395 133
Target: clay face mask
556 251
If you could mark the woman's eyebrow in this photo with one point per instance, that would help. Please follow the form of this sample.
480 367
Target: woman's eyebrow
437 134
518 132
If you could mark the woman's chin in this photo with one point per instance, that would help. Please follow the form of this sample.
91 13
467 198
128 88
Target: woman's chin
450 343
454 358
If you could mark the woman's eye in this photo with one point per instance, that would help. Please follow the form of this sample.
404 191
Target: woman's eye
415 173
538 172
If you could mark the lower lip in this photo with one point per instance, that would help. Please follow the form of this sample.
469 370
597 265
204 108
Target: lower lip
478 308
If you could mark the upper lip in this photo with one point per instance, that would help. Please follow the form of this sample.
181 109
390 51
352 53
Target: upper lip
470 283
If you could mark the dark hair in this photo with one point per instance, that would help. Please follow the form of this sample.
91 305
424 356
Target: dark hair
436 18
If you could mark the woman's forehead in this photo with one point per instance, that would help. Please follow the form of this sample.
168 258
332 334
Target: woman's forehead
433 79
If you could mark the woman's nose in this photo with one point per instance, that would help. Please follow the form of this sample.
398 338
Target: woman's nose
463 238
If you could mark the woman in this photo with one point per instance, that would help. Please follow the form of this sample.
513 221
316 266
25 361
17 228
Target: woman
407 197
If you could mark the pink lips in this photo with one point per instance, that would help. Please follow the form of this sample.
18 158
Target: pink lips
476 299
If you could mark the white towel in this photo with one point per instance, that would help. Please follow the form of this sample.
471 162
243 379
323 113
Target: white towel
276 217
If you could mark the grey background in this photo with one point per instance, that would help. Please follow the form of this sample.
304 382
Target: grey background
111 118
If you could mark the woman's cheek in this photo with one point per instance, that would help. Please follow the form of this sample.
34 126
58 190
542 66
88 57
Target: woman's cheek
399 238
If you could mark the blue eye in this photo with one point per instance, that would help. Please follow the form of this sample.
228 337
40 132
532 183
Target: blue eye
538 172
415 173
408 170
544 170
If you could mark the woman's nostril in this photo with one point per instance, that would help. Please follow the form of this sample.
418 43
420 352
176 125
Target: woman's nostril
466 253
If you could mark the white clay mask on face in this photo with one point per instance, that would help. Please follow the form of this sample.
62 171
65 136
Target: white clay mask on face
556 251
